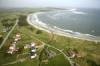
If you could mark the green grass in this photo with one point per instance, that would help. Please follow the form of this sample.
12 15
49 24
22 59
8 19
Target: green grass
57 61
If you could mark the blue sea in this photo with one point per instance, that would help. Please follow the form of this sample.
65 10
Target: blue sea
86 21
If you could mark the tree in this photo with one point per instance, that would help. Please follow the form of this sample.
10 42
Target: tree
1 39
22 20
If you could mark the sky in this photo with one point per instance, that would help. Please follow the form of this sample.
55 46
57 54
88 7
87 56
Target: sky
50 3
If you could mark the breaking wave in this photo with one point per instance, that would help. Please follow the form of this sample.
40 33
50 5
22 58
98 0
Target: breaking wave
75 11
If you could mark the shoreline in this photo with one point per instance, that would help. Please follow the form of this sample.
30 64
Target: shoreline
42 26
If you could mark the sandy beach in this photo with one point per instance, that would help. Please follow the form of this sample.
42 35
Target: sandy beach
33 20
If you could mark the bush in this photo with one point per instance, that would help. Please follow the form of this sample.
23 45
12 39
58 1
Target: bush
38 32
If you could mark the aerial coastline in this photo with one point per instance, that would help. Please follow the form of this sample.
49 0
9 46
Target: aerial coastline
27 41
33 20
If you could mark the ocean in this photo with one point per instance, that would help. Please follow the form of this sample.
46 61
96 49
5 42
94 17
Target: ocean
85 21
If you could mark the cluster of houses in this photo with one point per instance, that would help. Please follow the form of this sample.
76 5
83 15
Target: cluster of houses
32 47
12 48
73 54
33 50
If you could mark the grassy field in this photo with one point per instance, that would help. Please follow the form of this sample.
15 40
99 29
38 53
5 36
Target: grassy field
90 51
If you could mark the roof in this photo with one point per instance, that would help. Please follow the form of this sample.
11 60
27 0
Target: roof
32 44
18 35
33 50
11 48
33 56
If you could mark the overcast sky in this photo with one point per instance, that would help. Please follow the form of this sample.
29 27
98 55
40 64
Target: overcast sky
50 3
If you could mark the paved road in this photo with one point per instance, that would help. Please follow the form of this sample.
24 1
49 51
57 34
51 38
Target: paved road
17 61
3 42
